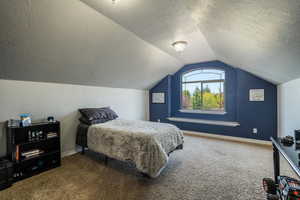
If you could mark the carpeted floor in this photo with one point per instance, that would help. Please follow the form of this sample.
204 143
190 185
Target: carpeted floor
205 169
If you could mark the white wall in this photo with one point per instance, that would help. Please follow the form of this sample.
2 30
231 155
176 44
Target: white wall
288 107
62 101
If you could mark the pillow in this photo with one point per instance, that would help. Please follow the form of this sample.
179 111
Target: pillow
91 114
110 113
95 121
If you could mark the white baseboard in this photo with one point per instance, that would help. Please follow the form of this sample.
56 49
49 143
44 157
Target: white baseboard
70 152
229 138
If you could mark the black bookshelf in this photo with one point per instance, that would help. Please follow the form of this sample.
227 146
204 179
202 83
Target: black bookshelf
33 149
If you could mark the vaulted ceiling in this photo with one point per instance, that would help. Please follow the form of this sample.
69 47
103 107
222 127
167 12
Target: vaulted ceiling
128 43
66 41
260 36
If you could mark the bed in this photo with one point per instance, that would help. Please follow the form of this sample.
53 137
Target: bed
146 144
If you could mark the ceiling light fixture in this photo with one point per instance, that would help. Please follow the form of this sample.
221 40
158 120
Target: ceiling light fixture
179 46
113 1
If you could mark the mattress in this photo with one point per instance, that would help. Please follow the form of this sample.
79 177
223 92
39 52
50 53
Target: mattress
146 144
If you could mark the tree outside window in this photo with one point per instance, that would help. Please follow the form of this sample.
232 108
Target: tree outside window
203 90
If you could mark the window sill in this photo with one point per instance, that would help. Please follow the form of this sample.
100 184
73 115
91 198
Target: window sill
203 112
204 121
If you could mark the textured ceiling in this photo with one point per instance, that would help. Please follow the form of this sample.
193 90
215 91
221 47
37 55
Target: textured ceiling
160 23
128 44
259 36
68 42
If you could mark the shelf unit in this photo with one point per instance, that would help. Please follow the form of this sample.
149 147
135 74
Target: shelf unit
20 140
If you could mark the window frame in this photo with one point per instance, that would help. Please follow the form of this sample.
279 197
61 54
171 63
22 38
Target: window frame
207 81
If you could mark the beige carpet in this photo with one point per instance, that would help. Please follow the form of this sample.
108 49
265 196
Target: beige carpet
205 169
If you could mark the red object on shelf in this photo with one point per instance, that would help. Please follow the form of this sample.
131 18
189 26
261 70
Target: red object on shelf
17 153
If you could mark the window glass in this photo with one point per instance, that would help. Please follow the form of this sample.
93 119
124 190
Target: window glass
203 90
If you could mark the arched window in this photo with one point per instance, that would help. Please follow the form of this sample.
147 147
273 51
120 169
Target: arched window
203 90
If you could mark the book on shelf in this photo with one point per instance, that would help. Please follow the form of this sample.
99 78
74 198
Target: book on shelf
51 135
32 153
17 153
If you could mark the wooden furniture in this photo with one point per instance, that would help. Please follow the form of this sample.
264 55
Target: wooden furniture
33 149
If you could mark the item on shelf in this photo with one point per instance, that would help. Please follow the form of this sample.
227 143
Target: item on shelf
287 140
17 153
32 153
13 123
50 119
35 136
51 135
6 173
25 119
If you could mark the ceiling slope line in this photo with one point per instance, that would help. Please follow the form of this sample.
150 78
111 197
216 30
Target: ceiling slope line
91 6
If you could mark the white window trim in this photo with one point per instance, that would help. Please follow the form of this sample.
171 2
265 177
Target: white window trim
210 112
203 111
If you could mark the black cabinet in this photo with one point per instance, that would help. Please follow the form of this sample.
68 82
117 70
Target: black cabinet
33 149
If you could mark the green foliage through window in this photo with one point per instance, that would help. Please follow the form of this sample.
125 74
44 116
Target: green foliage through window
203 89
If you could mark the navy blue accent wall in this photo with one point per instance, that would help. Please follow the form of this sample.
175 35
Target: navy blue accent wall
260 115
161 111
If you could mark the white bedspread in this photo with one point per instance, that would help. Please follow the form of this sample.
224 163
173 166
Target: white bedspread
144 143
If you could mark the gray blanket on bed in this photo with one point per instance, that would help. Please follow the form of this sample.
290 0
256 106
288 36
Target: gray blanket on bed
144 143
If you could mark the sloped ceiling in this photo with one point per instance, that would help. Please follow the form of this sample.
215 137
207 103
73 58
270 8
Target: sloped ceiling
160 23
260 36
66 41
128 44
